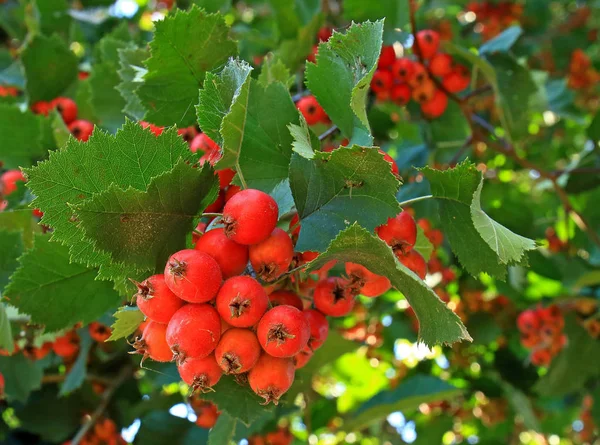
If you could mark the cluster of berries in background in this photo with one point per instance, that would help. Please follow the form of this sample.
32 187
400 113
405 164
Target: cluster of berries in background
81 129
401 79
542 332
582 74
494 17
104 432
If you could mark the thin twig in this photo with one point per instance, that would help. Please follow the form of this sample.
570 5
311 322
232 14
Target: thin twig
58 378
413 200
328 132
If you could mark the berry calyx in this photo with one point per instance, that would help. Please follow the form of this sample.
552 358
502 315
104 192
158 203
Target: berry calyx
193 276
283 331
250 216
319 328
242 301
285 297
238 351
155 299
399 232
332 297
272 257
153 343
194 331
231 256
201 374
271 377
99 332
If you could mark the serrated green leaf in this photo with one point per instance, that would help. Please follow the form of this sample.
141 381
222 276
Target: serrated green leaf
334 190
53 15
59 129
53 291
6 337
480 243
21 377
214 5
76 375
306 143
20 148
223 431
341 77
274 70
22 221
143 228
408 395
186 45
437 323
593 131
127 320
50 67
131 73
238 401
395 13
502 42
11 246
423 245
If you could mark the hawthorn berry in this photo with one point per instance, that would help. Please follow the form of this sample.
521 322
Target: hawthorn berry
193 276
81 129
387 57
203 143
285 297
302 358
41 107
331 297
242 301
156 130
399 232
382 81
231 256
427 43
8 181
200 373
99 332
436 106
193 331
250 217
156 300
440 64
401 94
424 92
311 110
238 351
271 377
368 283
418 75
388 158
225 176
207 414
66 107
414 261
153 343
541 357
457 80
403 69
188 133
272 257
319 328
217 205
283 331
232 190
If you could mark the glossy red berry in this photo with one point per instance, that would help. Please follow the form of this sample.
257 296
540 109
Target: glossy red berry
81 129
238 351
382 81
319 328
331 297
311 110
368 283
193 331
541 357
440 64
458 80
155 299
302 358
427 44
388 158
403 69
399 232
203 143
242 301
417 76
99 332
283 331
528 321
424 92
271 377
272 257
225 177
232 190
153 343
285 297
8 181
66 107
436 106
231 256
207 414
386 58
41 107
294 226
401 94
193 276
217 205
250 216
67 345
414 261
200 373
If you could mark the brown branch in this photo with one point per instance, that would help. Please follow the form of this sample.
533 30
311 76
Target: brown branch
58 378
328 132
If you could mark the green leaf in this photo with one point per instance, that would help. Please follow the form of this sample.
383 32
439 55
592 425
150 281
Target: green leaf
59 129
286 17
76 375
334 190
223 431
593 131
503 42
423 245
395 13
306 143
22 221
6 337
238 401
160 427
341 77
131 73
293 52
186 45
11 246
57 293
143 228
107 102
522 405
53 15
127 320
408 395
24 147
21 376
437 323
274 70
50 67
480 243
214 5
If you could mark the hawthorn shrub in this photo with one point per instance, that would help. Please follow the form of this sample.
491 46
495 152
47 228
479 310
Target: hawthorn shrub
274 222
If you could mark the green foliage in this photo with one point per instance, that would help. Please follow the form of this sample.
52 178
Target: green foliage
23 147
76 375
21 376
131 72
127 320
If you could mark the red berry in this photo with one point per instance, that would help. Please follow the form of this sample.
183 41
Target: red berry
207 414
427 43
242 301
399 232
393 166
8 181
319 328
441 64
424 92
203 143
194 331
403 69
285 297
382 81
198 231
311 110
283 331
232 190
324 33
271 377
66 107
41 107
294 226
414 261
99 332
231 256
436 106
458 80
435 236
155 299
217 205
272 257
188 134
417 76
67 345
529 321
156 130
541 357
200 373
401 94
331 297
153 343
302 358
193 276
225 177
238 351
81 129
250 216
368 283
386 58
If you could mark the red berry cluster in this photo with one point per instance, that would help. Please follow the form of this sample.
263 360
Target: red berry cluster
582 74
494 17
104 433
403 79
6 91
79 128
542 332
281 436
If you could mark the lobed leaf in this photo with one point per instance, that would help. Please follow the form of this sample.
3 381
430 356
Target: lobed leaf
127 320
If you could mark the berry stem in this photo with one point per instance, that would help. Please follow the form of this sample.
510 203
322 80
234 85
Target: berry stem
217 215
328 132
413 200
